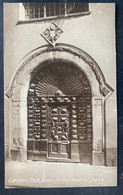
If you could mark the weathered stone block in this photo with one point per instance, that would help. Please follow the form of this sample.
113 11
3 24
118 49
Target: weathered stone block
86 157
75 151
111 157
98 158
7 152
18 154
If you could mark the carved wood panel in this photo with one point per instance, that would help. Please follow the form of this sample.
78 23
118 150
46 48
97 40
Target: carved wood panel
58 120
59 112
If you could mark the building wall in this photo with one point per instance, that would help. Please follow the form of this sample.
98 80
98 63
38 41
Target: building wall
94 33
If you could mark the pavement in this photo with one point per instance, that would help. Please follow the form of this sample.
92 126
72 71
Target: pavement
40 174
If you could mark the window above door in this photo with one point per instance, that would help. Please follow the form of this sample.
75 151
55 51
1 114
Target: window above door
41 11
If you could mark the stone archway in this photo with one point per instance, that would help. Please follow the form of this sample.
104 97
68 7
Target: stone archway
19 86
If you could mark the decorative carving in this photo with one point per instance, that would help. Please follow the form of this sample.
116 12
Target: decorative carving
59 123
104 88
60 80
52 33
9 94
84 119
18 142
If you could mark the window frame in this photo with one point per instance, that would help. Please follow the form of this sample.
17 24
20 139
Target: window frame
22 18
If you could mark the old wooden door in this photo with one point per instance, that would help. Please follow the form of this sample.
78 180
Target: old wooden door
59 115
50 118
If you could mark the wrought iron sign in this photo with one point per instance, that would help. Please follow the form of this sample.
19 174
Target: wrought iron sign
52 33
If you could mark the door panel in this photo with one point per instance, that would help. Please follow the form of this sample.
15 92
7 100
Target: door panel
59 114
59 128
59 150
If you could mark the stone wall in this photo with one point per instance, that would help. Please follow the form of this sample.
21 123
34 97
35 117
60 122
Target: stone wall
93 33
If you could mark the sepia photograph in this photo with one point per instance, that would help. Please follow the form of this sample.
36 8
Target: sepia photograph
60 103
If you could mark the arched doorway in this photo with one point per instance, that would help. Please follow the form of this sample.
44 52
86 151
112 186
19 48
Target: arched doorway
41 61
59 114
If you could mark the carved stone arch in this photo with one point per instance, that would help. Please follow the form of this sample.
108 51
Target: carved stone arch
19 86
105 89
73 80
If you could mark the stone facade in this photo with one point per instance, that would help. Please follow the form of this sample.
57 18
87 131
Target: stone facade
103 153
